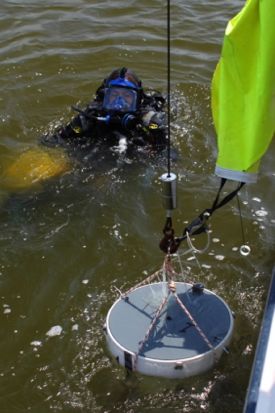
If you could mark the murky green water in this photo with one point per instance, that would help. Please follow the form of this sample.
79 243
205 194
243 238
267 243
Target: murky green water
65 245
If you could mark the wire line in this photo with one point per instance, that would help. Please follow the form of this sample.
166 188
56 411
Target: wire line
168 91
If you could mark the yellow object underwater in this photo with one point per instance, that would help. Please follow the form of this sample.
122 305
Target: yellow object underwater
243 91
35 166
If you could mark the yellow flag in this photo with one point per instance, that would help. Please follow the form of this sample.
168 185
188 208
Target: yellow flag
243 91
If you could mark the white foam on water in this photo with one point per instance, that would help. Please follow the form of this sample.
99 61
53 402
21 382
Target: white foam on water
219 257
261 213
206 266
36 343
54 331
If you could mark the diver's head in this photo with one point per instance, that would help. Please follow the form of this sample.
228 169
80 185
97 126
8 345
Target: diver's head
122 91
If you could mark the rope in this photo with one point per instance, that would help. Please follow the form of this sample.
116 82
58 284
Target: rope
140 284
167 269
170 272
166 272
151 326
180 303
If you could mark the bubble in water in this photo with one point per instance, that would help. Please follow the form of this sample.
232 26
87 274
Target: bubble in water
54 331
261 213
36 343
219 257
256 199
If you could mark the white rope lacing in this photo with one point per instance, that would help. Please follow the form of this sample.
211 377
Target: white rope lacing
170 272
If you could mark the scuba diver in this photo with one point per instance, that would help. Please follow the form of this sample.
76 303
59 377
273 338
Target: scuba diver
120 116
120 109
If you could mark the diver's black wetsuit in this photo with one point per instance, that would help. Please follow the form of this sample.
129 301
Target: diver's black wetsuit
146 126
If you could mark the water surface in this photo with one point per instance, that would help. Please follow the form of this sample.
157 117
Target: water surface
65 245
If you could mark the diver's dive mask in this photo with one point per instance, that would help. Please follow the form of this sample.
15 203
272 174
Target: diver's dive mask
121 95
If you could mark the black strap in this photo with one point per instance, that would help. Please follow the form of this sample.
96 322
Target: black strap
217 203
170 243
198 225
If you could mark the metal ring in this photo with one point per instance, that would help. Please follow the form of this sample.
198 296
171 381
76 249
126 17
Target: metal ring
245 250
193 248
